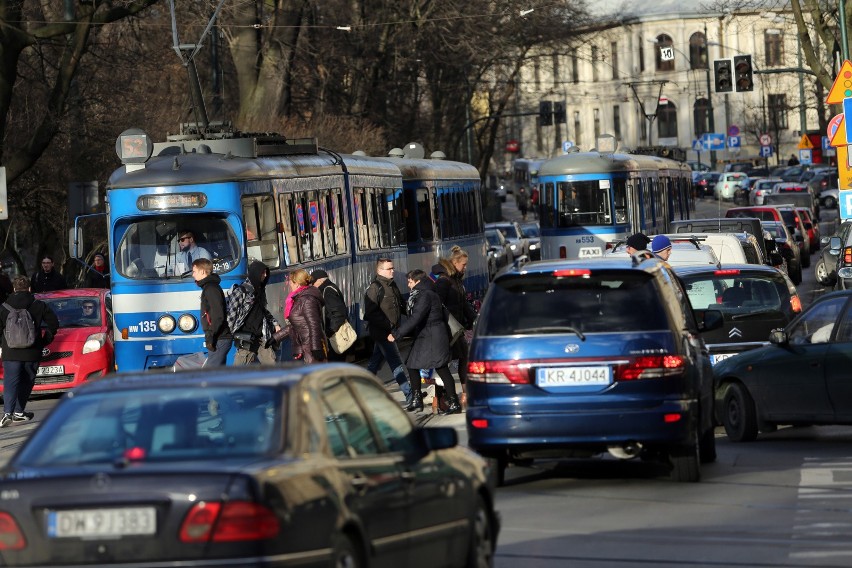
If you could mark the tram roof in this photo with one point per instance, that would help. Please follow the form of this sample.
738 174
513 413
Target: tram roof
433 169
596 162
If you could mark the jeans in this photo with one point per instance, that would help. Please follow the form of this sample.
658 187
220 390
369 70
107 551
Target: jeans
220 356
384 350
18 382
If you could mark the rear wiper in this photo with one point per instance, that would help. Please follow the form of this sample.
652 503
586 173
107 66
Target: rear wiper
553 329
752 314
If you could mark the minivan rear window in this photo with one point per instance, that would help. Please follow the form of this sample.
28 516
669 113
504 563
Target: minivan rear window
603 301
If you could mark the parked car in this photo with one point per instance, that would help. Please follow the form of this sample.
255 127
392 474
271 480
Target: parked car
512 231
311 465
728 184
500 190
729 248
822 181
723 225
577 358
829 198
705 184
499 253
811 228
761 188
83 346
800 379
788 248
825 270
530 230
686 251
753 300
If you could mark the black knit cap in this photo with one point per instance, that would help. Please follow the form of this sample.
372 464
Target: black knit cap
638 241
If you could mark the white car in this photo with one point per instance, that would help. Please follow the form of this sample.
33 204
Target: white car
685 252
761 188
728 184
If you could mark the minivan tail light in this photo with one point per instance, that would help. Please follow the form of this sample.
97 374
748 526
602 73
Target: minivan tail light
501 372
572 272
650 367
11 537
231 521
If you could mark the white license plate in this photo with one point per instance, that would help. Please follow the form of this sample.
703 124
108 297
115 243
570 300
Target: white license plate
51 370
720 357
573 376
84 523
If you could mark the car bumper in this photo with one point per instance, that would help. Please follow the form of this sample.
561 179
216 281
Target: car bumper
75 371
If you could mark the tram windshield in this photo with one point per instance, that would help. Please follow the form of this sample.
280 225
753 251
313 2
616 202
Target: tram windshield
166 246
581 203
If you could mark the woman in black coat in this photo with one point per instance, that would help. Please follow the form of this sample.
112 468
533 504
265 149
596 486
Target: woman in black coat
431 348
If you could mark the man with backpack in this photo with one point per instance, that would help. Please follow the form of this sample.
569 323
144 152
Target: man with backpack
252 325
22 340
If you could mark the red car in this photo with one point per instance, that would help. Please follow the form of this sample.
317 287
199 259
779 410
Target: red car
83 346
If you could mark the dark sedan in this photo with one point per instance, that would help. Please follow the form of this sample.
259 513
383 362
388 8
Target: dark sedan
802 378
287 466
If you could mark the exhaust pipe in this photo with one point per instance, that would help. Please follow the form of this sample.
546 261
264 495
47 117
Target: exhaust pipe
625 451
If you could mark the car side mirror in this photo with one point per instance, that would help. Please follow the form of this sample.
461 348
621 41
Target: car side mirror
776 258
438 438
779 337
713 319
834 244
770 244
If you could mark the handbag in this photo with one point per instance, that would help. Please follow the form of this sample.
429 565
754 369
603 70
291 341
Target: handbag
343 338
456 329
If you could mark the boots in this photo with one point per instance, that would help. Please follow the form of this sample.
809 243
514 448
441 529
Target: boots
416 403
453 406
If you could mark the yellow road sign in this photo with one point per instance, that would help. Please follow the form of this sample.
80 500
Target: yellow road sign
839 138
842 86
844 170
805 143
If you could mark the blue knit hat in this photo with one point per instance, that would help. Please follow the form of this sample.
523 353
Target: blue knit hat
660 243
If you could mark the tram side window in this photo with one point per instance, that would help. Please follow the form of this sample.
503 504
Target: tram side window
583 203
394 211
659 209
260 224
297 227
619 198
548 206
378 218
424 215
327 223
338 217
314 224
647 209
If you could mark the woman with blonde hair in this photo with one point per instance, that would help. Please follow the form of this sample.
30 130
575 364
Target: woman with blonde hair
303 313
450 287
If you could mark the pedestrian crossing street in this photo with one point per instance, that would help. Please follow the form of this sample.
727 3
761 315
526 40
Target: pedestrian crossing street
822 528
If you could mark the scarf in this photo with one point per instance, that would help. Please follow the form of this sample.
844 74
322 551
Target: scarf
288 303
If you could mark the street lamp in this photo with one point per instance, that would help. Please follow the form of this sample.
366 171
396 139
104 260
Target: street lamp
649 100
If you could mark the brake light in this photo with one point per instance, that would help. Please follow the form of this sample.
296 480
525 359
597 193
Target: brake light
503 372
796 304
650 367
585 272
479 423
726 272
847 255
229 522
11 537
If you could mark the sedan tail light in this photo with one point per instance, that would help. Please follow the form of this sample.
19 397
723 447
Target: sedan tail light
228 522
11 537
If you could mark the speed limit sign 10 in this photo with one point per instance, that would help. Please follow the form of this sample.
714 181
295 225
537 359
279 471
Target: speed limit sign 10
765 139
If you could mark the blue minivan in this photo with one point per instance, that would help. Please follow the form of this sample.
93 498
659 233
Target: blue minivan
579 358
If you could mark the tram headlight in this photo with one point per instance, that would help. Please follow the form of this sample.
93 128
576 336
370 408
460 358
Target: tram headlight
187 323
166 324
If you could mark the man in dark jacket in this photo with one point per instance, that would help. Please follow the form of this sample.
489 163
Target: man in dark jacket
383 308
20 365
249 319
97 275
217 336
47 279
336 313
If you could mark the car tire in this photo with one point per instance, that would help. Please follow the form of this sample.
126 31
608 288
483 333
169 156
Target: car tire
686 461
739 415
344 552
707 446
830 203
820 274
482 541
500 464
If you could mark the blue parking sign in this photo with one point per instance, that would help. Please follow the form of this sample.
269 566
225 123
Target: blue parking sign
844 204
765 151
733 141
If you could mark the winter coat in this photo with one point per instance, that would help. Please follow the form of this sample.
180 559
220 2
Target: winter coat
241 303
47 282
431 348
95 279
306 332
40 312
382 310
213 320
336 313
452 293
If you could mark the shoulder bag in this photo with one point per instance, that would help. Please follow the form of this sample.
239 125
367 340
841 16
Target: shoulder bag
343 338
456 329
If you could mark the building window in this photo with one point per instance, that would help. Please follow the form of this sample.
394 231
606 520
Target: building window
578 133
537 74
774 47
613 47
575 67
701 115
778 112
594 63
697 51
597 114
616 121
556 71
641 55
667 120
663 41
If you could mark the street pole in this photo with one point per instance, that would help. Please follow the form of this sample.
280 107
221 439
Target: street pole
711 121
844 42
802 116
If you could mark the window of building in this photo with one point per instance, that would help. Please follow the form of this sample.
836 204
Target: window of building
774 47
613 48
777 111
537 74
663 40
667 120
575 67
701 116
597 115
616 121
641 55
556 71
577 129
595 59
697 51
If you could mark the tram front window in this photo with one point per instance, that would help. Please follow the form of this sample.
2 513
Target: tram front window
152 248
581 203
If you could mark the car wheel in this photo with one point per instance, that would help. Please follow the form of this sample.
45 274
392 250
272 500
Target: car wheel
830 203
686 461
739 415
820 274
344 553
500 464
482 539
707 446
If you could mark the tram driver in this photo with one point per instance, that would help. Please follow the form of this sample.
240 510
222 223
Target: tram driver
569 203
189 252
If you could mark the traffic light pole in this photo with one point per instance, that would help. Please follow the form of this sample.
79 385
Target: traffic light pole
711 121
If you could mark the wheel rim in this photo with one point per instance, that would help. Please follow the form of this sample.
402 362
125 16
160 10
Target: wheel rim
346 560
821 271
734 413
482 534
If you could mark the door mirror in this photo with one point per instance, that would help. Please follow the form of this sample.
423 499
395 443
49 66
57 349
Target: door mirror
779 337
834 244
775 258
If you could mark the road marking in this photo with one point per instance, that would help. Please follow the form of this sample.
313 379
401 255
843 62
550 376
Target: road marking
822 525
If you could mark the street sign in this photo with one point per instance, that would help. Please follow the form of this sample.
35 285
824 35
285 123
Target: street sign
713 141
842 87
734 141
697 145
826 143
666 53
733 130
566 145
839 136
847 111
833 125
845 204
765 139
805 143
806 157
765 151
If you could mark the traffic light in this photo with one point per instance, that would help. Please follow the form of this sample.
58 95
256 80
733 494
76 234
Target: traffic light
545 113
559 115
723 76
744 79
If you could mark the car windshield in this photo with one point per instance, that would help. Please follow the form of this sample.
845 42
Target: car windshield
741 295
600 302
76 311
529 231
493 238
157 247
509 231
776 230
149 425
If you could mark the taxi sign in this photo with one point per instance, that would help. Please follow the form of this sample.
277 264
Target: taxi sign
805 143
842 87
